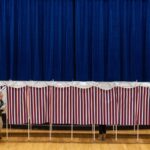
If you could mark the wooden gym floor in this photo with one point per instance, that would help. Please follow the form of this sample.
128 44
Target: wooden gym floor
82 140
72 146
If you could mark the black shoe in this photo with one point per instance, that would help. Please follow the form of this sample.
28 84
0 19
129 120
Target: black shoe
99 136
103 137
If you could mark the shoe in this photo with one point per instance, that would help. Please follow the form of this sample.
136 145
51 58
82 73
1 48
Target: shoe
103 137
99 136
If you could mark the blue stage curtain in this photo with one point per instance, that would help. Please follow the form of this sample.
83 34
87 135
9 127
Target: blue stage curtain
99 40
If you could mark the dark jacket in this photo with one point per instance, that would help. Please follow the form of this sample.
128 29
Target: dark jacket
1 105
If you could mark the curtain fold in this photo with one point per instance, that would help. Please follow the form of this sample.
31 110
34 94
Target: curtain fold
128 101
99 40
38 100
17 106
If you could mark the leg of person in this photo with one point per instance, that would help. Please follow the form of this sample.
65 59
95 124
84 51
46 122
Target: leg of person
104 129
1 125
104 132
100 128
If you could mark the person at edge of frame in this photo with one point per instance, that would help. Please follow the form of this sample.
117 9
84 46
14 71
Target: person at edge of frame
2 108
102 132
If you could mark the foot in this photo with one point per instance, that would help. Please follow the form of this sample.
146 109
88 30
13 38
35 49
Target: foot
103 137
99 136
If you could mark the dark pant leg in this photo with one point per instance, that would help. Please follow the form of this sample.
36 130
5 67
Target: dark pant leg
102 129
